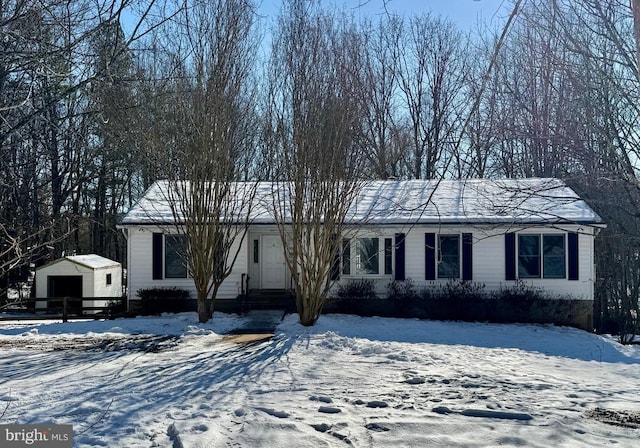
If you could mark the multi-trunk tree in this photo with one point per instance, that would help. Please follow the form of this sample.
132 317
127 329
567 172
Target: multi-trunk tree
207 156
312 123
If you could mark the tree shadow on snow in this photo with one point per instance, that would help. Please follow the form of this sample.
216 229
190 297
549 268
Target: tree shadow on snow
100 389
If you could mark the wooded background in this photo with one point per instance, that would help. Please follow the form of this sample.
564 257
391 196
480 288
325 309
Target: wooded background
98 97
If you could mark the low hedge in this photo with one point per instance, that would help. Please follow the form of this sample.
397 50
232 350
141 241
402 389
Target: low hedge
486 309
468 301
165 300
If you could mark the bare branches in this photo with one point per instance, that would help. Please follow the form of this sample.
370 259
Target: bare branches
313 115
384 137
432 66
207 160
635 8
53 125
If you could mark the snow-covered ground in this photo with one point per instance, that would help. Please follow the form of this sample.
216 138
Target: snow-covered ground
349 381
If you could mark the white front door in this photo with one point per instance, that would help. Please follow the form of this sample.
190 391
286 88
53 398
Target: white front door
273 266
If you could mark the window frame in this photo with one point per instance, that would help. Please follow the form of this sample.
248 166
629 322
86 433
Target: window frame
384 254
256 251
388 256
521 265
346 256
166 246
109 279
562 257
439 256
372 256
543 260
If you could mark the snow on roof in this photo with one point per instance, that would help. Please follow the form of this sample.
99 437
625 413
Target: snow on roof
155 205
476 201
473 201
92 261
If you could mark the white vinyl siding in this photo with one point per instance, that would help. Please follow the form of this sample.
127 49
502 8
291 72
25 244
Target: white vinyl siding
94 282
100 286
139 247
488 262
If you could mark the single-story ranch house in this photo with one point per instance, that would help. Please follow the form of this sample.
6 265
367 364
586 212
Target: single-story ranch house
498 233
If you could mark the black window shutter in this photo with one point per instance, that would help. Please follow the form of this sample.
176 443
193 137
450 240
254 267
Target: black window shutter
510 255
430 256
572 246
467 256
156 256
335 267
346 256
399 267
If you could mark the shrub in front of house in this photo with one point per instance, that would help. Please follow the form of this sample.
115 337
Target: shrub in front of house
407 301
357 289
457 300
519 301
357 297
165 300
519 292
460 290
402 290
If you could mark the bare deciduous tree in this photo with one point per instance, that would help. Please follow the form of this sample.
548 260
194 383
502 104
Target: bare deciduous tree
384 139
432 66
215 130
568 97
313 114
46 71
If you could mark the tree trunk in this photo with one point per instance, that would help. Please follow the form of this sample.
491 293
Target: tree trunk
203 309
635 8
309 309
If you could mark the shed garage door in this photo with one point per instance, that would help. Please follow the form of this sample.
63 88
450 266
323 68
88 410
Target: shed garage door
64 286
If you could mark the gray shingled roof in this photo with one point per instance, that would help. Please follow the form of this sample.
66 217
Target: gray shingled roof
477 201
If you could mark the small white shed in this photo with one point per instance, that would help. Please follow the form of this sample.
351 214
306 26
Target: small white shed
82 276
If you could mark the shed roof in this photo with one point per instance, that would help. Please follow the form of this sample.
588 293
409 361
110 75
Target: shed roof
91 261
475 201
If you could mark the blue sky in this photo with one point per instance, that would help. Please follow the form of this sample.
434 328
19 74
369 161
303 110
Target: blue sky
465 13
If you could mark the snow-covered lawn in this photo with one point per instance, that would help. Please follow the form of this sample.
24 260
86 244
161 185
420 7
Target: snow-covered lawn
349 381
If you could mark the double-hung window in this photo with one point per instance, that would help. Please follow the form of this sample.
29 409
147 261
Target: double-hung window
541 256
553 256
449 256
367 256
175 256
528 256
